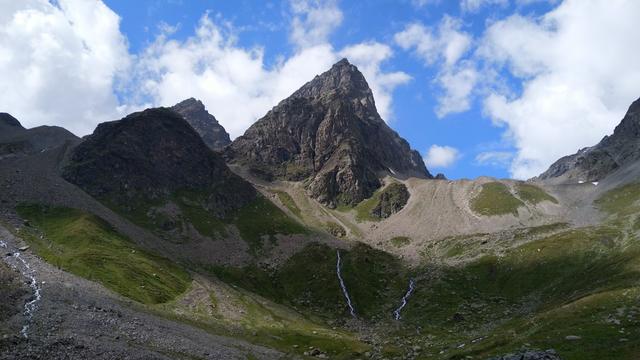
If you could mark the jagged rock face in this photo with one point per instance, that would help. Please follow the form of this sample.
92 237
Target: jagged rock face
15 140
213 134
392 199
329 132
150 155
613 152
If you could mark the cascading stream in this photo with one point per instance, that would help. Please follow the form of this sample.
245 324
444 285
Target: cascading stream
343 286
31 306
412 286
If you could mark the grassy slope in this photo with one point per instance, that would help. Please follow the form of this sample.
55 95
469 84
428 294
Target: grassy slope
288 201
308 281
364 208
232 310
261 218
495 199
87 246
256 220
533 194
577 282
400 241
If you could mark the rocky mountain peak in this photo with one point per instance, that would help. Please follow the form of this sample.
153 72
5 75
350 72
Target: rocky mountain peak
597 162
213 134
329 133
343 79
150 155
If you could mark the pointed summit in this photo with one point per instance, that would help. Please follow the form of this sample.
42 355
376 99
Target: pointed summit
343 79
330 133
205 124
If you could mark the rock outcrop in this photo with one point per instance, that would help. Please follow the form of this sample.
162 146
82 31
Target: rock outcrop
205 124
149 156
330 134
596 162
392 199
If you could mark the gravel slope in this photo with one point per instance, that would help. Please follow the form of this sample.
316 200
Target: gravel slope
79 319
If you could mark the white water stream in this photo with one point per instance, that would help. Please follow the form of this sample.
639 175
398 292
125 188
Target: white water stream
26 270
343 286
412 286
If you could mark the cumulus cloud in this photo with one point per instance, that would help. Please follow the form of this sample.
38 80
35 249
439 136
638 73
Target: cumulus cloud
475 5
60 62
441 156
314 21
231 81
444 46
457 85
447 43
578 68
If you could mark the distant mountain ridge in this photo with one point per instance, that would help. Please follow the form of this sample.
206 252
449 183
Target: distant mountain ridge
330 133
15 140
613 152
213 134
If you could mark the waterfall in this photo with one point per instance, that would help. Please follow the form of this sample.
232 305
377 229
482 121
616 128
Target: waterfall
396 313
31 306
344 287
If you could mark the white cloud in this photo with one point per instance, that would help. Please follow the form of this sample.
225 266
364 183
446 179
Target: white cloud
231 81
60 63
446 45
494 158
457 85
475 5
578 65
314 21
441 156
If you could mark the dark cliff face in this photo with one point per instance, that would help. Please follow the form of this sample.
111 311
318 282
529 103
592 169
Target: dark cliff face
149 156
329 132
213 134
613 152
15 140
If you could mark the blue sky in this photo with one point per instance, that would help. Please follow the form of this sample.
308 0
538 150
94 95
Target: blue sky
479 87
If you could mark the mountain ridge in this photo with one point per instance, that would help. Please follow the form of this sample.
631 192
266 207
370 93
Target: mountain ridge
592 164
